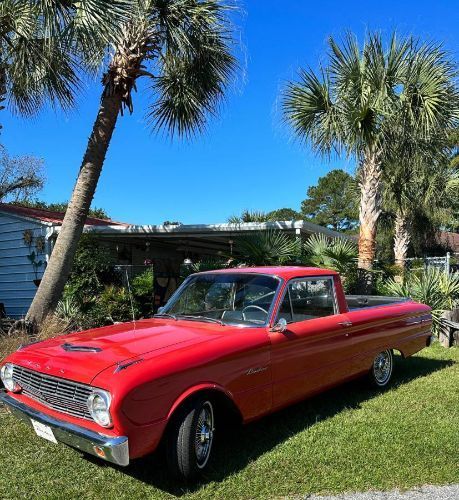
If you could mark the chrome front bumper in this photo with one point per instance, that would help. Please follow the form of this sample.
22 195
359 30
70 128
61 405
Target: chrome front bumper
111 449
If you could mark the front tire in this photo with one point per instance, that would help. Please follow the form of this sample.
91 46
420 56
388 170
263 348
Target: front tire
382 368
190 439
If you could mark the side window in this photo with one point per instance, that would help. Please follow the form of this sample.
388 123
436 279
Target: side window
308 299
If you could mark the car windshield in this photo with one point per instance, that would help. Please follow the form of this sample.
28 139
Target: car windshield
224 298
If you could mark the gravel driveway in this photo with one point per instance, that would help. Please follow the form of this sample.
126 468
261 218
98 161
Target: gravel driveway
450 492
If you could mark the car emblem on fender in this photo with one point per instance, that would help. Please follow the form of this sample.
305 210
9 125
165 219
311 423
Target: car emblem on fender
253 371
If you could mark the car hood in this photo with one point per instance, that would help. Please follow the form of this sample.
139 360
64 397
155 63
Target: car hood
82 356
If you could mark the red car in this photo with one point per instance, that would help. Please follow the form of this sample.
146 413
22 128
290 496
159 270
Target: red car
239 341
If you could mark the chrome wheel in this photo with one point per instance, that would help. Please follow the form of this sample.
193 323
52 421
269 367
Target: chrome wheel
382 367
204 434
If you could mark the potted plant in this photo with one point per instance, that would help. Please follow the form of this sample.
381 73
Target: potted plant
33 258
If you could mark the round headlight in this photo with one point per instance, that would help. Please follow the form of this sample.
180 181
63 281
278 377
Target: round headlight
6 374
99 407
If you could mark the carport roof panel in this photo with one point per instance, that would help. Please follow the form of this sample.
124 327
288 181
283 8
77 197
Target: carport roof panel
212 230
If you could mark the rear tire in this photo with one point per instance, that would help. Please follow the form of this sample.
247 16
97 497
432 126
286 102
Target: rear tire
382 368
190 439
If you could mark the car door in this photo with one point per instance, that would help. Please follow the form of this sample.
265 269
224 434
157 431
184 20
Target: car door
315 350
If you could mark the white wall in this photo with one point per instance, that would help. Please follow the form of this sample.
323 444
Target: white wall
16 272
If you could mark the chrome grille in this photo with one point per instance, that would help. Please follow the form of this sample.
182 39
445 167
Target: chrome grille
55 393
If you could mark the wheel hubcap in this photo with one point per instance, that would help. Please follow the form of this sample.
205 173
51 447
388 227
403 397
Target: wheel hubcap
382 367
204 434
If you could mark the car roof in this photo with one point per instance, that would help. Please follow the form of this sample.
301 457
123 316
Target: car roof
286 272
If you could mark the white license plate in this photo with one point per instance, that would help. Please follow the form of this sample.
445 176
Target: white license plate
43 431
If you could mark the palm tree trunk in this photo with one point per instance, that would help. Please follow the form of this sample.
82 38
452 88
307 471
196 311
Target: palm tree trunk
2 88
402 239
370 208
60 264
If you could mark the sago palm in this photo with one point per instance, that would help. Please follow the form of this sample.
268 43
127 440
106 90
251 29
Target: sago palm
183 49
350 106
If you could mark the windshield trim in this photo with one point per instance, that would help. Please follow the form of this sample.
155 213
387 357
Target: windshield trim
280 282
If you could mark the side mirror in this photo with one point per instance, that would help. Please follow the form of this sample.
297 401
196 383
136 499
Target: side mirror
280 326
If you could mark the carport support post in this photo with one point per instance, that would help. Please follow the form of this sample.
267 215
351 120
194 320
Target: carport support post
298 239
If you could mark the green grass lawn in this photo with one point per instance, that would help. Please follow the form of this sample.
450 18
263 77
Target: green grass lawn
347 439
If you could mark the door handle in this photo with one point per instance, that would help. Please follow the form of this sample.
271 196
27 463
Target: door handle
345 323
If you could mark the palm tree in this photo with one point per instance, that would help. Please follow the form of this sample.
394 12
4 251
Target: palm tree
351 105
249 216
183 49
281 214
45 46
267 248
416 184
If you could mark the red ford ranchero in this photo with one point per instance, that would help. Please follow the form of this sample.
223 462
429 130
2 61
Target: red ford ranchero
245 342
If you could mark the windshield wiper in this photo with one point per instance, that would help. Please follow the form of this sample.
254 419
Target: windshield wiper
165 315
200 318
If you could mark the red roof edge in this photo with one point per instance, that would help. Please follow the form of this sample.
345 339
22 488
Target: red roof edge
51 217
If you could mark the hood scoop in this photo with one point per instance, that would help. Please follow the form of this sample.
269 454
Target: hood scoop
79 348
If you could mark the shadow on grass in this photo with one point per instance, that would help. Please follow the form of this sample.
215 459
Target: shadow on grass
240 445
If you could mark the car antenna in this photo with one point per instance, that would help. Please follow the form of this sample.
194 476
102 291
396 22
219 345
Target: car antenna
131 299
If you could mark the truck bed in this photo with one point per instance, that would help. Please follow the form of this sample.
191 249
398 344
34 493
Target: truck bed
355 302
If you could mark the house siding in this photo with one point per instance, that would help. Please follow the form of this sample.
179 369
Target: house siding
17 288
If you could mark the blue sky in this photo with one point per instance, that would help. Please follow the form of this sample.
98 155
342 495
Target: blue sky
247 158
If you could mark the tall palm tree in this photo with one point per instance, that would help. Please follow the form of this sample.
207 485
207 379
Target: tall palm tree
415 187
45 46
351 105
183 48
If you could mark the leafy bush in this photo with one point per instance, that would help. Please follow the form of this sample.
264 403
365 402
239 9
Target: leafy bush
94 294
433 287
142 287
115 305
92 270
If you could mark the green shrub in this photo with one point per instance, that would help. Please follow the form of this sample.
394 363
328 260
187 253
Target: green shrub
142 287
94 294
92 270
433 287
115 304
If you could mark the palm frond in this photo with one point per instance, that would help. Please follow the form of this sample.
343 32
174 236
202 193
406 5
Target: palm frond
309 109
47 45
337 254
196 65
433 287
267 248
